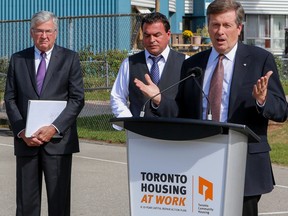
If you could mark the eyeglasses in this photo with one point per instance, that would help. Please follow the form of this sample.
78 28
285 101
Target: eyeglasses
39 32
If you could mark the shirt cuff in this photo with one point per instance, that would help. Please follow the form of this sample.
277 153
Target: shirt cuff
259 105
154 106
18 135
56 129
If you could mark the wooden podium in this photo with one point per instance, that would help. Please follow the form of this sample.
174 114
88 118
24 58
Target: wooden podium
185 167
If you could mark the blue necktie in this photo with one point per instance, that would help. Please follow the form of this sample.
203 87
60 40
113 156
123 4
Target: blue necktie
41 72
154 71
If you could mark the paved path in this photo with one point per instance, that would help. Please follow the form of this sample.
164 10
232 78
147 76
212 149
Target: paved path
99 182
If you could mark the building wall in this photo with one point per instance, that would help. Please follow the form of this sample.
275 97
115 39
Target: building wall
176 19
195 14
172 9
23 9
103 34
144 3
265 6
188 6
269 35
268 19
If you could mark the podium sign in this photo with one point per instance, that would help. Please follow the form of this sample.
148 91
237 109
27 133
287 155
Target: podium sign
200 174
181 177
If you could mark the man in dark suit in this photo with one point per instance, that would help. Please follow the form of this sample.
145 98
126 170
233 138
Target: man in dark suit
251 93
126 99
42 152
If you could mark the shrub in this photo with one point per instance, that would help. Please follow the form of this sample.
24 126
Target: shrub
100 68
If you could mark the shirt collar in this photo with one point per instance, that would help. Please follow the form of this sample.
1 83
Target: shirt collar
230 55
165 53
38 52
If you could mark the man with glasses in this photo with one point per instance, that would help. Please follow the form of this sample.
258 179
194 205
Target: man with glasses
44 72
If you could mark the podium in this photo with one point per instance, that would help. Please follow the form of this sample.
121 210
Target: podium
185 167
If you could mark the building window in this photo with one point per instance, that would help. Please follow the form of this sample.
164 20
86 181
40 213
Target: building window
278 29
258 30
267 31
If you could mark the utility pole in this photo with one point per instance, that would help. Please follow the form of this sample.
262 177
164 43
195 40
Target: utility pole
157 5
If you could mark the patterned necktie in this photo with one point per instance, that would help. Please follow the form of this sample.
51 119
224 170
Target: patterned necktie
215 91
154 71
41 72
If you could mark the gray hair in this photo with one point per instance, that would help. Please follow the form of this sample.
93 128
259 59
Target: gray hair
44 16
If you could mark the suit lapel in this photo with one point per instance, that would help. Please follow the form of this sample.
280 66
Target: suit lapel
202 64
242 62
51 67
30 63
166 78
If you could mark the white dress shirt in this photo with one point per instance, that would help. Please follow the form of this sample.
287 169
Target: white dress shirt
38 58
228 63
120 91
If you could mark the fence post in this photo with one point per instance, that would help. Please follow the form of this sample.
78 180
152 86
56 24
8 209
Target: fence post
107 73
157 5
70 38
286 41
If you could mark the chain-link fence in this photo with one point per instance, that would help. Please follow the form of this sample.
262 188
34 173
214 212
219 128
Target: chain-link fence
102 41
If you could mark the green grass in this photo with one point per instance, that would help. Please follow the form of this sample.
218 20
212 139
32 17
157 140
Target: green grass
285 86
99 95
99 128
278 139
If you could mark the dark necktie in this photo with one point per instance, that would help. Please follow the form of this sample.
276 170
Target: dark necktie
154 71
215 91
41 72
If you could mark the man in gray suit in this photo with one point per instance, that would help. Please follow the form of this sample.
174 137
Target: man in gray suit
42 152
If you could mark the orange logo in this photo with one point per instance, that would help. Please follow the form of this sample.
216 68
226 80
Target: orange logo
206 187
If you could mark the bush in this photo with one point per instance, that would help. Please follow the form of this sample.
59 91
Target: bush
4 64
103 66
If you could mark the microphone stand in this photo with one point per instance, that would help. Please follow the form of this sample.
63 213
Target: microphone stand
142 113
194 72
209 115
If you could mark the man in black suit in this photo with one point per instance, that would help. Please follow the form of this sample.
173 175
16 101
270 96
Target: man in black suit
42 152
251 93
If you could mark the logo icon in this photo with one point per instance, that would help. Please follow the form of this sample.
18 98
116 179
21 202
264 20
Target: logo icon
205 188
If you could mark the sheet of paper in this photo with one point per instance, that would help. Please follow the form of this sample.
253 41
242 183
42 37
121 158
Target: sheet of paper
42 113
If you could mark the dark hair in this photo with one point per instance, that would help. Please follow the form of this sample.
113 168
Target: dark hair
156 17
221 6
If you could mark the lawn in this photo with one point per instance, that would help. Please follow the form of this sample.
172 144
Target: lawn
278 139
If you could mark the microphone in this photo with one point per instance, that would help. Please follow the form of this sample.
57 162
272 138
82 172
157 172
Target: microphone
193 72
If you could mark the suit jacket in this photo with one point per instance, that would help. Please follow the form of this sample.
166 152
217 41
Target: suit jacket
170 75
63 81
250 64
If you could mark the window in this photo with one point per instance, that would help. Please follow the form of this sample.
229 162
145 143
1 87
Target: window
278 31
267 31
258 30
